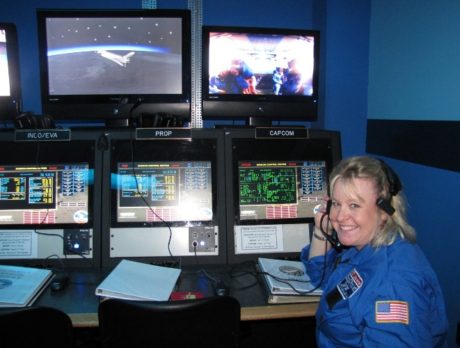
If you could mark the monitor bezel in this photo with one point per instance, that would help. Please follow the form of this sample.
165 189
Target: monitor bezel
267 151
244 144
167 151
265 108
10 106
109 108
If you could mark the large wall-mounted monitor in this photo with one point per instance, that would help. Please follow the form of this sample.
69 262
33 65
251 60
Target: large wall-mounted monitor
10 86
273 186
260 74
113 65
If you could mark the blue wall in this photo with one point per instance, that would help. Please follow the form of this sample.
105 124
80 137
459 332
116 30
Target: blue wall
433 194
414 75
414 64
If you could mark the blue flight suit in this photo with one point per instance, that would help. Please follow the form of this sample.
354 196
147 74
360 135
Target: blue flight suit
384 297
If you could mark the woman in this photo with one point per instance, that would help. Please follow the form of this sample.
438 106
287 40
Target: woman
379 288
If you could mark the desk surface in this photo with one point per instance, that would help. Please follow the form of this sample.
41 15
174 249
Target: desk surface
81 303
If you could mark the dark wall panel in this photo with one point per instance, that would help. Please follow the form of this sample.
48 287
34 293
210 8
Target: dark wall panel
432 143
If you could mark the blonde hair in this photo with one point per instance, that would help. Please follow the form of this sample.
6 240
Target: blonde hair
377 171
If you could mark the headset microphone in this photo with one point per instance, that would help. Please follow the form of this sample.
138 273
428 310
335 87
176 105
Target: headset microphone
331 238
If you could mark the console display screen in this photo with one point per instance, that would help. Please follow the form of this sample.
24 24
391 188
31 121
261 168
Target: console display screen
164 191
280 189
44 194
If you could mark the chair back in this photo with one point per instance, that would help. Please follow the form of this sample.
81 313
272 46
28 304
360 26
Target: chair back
35 327
205 322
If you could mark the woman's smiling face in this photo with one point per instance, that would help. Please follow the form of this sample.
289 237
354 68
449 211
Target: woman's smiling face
354 212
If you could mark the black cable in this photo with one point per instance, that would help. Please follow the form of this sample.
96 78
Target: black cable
37 164
43 221
286 281
335 242
168 225
240 273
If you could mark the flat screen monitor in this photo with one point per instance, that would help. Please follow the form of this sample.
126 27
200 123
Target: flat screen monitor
44 195
280 190
260 74
162 183
10 91
114 65
167 191
280 181
273 187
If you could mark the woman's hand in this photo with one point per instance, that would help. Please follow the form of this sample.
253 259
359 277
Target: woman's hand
321 219
318 241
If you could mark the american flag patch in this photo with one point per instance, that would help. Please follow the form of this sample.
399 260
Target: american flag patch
392 312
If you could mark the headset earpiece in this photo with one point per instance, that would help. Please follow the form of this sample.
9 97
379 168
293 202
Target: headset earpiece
394 186
385 205
29 120
24 120
46 122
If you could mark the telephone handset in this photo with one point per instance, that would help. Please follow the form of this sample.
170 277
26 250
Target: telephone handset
331 238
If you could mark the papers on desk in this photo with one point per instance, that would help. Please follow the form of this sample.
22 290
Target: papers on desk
138 281
20 286
287 282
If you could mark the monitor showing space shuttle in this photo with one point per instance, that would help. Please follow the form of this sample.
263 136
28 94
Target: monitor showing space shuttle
97 64
114 55
121 60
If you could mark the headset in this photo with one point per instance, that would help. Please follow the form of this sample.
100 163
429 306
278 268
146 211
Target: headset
332 238
159 119
394 187
28 120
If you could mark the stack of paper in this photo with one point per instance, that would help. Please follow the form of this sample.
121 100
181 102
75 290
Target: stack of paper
138 281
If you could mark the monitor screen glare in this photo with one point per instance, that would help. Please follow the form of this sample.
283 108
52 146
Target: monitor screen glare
4 72
164 191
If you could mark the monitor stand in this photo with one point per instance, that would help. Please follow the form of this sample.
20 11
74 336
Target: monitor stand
259 122
117 122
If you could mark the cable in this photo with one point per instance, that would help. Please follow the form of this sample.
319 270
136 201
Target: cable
168 225
335 242
45 218
234 273
257 273
138 103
